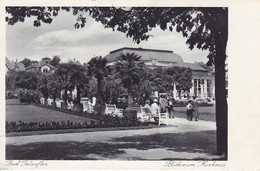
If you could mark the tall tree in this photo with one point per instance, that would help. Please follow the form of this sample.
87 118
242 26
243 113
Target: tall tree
78 78
97 67
27 62
55 60
129 69
43 86
205 28
10 80
26 80
62 74
54 86
181 76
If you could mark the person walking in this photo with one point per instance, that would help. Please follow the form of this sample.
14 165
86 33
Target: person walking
155 110
170 107
189 110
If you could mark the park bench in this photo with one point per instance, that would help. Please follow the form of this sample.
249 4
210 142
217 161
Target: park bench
145 115
112 110
163 118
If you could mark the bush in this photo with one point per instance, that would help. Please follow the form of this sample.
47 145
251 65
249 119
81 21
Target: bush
29 96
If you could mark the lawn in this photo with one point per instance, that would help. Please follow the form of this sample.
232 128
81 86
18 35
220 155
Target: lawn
31 113
205 113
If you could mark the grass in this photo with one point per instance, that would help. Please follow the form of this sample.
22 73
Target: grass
205 113
31 113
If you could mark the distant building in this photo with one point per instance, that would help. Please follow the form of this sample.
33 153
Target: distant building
43 66
11 65
202 79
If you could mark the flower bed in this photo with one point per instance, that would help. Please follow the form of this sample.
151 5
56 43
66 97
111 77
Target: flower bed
33 126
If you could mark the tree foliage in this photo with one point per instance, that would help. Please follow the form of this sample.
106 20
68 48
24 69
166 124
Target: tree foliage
78 78
97 67
128 69
26 80
55 60
27 62
181 76
43 85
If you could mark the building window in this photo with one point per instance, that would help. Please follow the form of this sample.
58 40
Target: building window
45 70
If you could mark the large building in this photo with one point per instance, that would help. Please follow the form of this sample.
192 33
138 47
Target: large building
202 79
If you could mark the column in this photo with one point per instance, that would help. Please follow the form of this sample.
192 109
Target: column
192 89
205 88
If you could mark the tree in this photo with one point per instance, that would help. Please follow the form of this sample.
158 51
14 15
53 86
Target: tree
97 67
26 80
10 80
27 62
54 86
181 76
78 78
62 74
128 69
205 28
55 60
43 86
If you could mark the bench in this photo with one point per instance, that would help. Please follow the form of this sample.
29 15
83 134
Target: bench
112 110
163 118
87 107
145 115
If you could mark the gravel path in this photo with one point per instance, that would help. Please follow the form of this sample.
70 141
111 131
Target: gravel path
182 139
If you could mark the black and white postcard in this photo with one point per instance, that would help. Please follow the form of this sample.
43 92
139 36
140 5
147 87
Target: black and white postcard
130 85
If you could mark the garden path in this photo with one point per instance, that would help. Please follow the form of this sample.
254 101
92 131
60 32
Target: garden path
182 139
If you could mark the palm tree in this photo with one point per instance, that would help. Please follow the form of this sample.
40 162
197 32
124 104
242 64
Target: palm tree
97 67
42 86
62 73
129 68
78 78
54 86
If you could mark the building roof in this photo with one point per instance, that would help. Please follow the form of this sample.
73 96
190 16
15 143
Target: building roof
146 55
37 65
9 64
14 65
193 66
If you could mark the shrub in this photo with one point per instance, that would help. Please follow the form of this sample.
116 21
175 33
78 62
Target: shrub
29 96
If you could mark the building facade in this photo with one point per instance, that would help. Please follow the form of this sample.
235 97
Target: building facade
202 79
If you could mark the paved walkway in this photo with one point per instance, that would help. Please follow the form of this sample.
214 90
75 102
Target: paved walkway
182 139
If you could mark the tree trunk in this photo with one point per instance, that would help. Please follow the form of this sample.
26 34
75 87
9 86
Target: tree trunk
99 93
220 89
78 94
46 101
65 95
179 94
130 96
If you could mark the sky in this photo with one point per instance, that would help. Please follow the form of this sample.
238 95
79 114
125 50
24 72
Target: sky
23 40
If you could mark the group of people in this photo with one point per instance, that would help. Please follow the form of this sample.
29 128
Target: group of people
167 105
191 107
162 105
